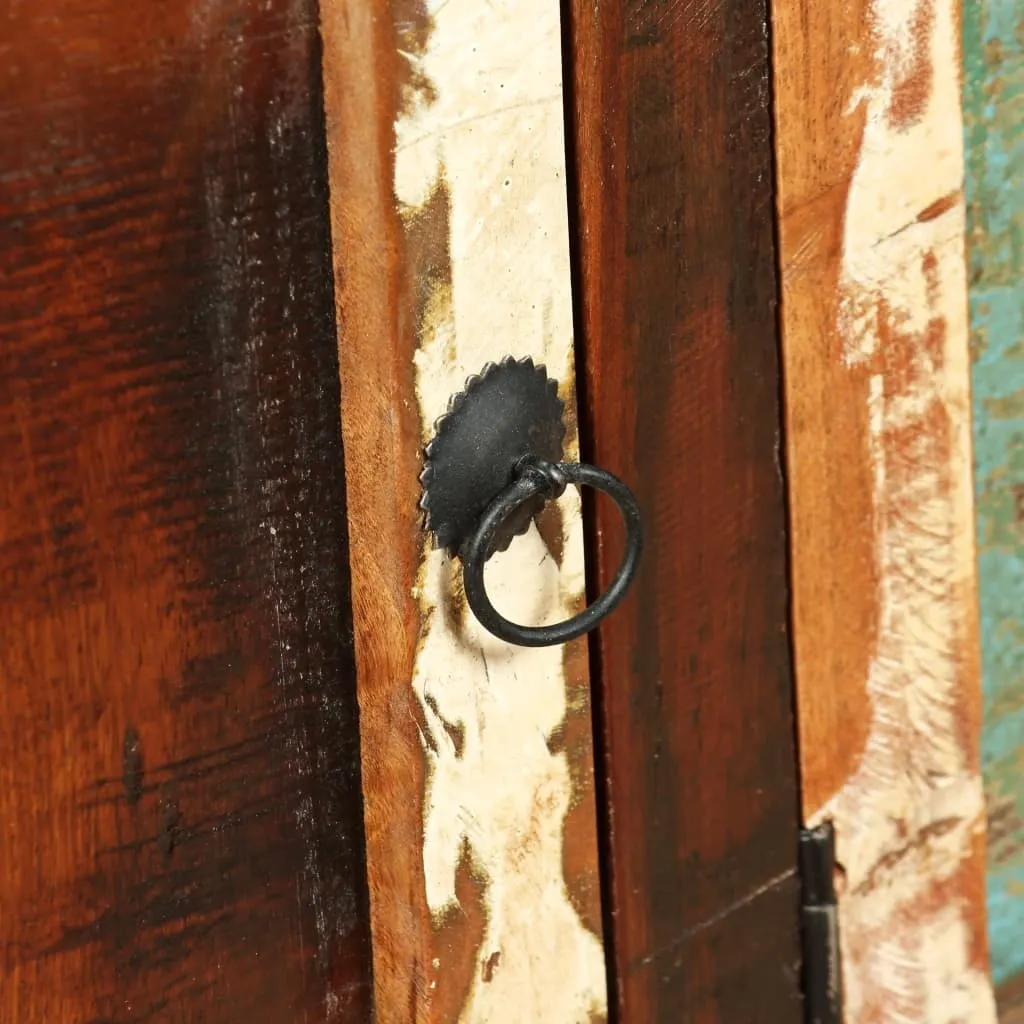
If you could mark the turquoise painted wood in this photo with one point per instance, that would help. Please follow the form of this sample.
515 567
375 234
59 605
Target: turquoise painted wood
994 125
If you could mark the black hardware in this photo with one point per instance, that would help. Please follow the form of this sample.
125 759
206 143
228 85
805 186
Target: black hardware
494 460
823 994
539 477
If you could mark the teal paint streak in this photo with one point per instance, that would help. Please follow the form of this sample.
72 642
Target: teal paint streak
993 36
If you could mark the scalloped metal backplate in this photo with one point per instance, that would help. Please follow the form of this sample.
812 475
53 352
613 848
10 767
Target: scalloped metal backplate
509 410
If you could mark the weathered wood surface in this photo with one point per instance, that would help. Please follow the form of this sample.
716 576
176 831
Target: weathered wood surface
874 314
673 163
994 134
1010 999
179 796
445 132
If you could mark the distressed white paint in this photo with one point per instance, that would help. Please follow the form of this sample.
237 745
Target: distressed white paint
907 817
494 134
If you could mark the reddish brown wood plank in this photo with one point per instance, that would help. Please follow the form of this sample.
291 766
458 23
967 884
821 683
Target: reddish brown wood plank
870 176
179 796
673 157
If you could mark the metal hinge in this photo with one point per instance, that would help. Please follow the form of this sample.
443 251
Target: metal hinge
823 993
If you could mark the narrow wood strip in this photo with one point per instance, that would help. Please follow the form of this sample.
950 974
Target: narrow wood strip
451 250
870 165
673 153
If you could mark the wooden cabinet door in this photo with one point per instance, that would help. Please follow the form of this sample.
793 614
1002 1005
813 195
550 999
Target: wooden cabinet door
259 760
181 834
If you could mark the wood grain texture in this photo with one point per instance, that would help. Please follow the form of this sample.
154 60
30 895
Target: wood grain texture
994 187
673 166
870 174
450 227
181 834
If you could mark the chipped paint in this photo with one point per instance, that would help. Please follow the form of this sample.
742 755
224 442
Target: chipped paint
993 33
484 133
910 817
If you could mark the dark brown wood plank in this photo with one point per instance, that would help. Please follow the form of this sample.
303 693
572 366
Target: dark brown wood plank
673 163
181 832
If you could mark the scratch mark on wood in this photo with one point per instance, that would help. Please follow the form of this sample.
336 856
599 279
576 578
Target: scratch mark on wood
132 771
681 940
168 825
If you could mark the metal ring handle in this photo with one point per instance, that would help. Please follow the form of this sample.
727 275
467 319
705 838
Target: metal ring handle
537 476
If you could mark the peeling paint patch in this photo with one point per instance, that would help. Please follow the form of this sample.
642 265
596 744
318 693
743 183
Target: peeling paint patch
909 818
993 36
483 138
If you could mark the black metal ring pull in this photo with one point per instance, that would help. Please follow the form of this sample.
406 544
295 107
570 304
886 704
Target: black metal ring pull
488 470
538 477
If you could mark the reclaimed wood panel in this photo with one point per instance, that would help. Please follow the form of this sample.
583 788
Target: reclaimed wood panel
673 165
874 333
994 163
1010 999
181 832
449 212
